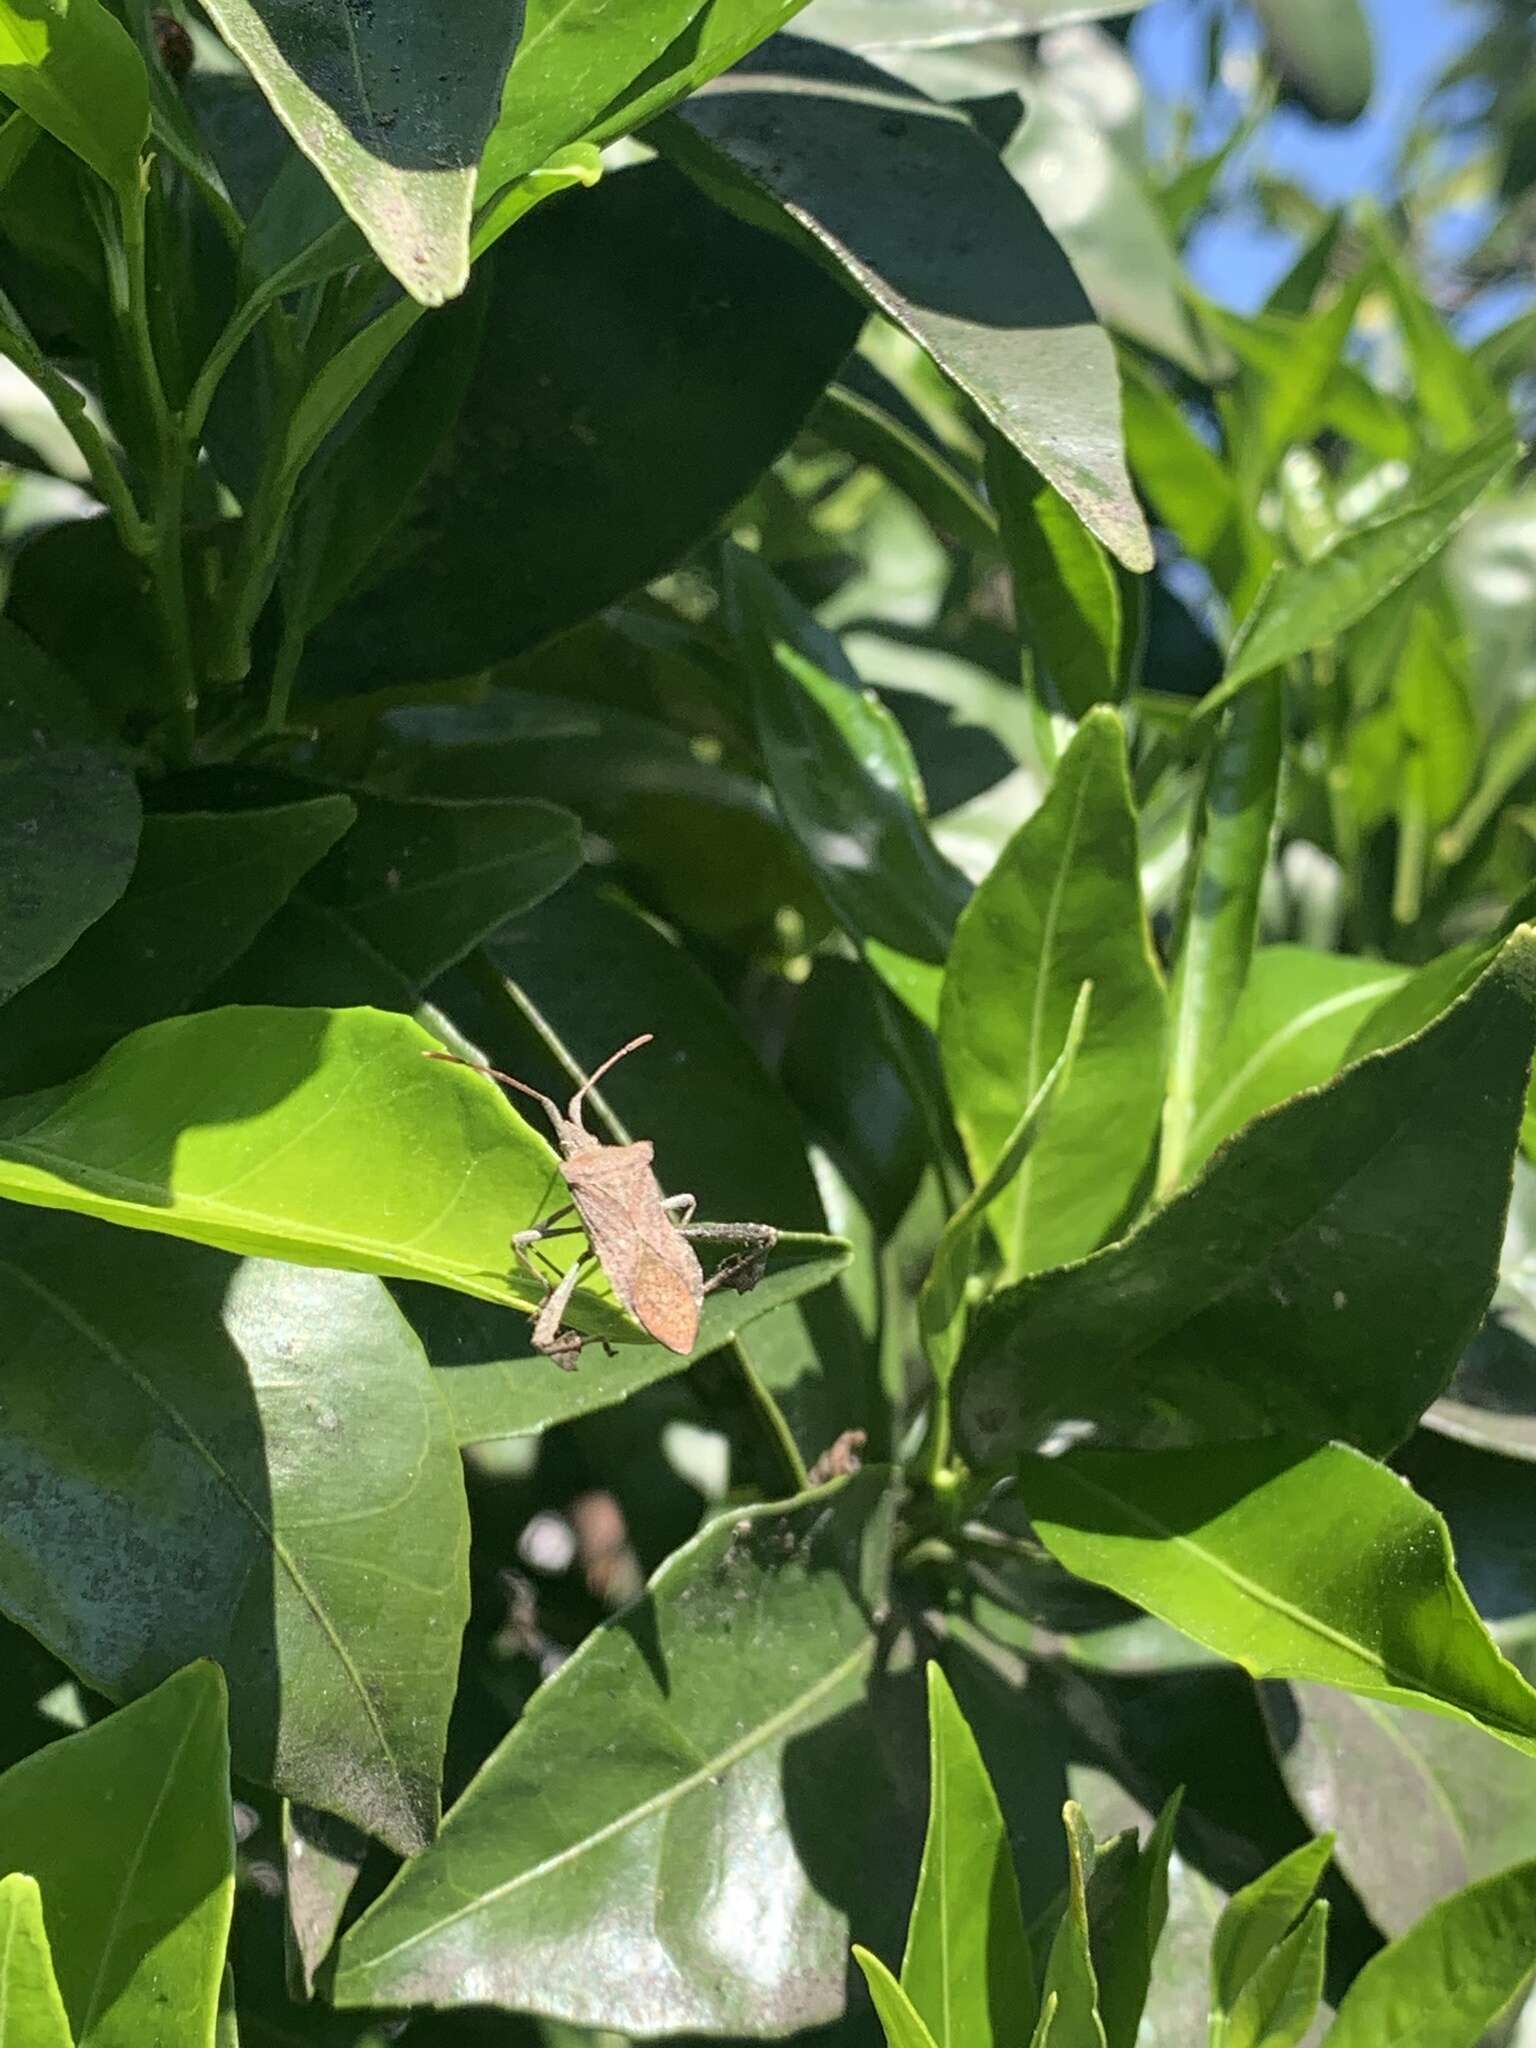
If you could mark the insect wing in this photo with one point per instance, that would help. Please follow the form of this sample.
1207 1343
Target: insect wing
664 1302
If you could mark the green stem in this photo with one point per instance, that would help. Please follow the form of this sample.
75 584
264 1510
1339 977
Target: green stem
167 570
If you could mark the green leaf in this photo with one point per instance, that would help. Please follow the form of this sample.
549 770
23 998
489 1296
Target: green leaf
496 1386
899 2017
1288 364
1355 1765
1441 1984
351 88
1125 1948
1048 918
411 889
1257 1919
1292 1029
127 1830
1206 1539
1323 51
72 68
264 1474
721 32
1069 1993
322 1860
866 431
1290 1287
1454 391
204 884
843 774
967 1967
1299 609
69 815
728 341
1220 911
942 1302
1279 2002
884 184
574 58
684 1780
32 2013
1065 590
1190 489
323 1137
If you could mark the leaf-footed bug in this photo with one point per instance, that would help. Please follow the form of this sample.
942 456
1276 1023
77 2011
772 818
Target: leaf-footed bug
642 1239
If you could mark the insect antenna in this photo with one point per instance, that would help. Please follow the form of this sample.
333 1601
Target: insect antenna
573 1113
551 1110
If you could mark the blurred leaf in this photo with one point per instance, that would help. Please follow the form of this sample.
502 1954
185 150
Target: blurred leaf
1291 1030
728 338
204 884
684 1779
71 68
1302 608
264 1474
350 92
932 24
1289 1288
1219 914
69 815
1356 1765
1204 1539
1065 589
1453 392
843 774
899 2017
346 1147
322 1860
831 141
1126 1947
1448 1978
1190 489
1323 51
32 2013
1287 366
967 1966
1101 213
862 429
1046 920
126 1828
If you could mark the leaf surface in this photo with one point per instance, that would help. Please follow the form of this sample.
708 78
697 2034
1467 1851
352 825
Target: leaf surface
32 2013
265 1474
71 67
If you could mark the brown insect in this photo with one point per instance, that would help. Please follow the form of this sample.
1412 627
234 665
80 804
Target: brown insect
642 1239
173 45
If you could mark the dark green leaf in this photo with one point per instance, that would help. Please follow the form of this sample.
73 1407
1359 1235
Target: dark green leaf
688 1783
69 815
887 185
126 1828
32 2013
1048 918
204 884
967 1965
843 774
1124 1949
1206 1540
1444 1981
1069 1992
265 1474
1220 912
664 355
1279 2002
352 89
1065 590
1290 1288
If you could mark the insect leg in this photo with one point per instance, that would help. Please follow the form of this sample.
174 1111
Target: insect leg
746 1269
548 1337
686 1203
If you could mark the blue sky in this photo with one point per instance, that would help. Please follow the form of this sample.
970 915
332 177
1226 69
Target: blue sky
1414 40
